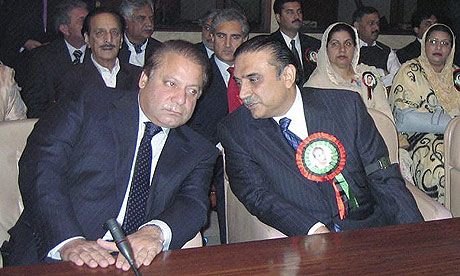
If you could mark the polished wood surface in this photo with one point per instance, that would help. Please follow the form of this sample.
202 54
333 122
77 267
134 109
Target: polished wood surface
430 248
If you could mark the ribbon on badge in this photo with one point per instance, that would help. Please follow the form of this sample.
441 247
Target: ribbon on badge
311 55
321 157
370 81
457 79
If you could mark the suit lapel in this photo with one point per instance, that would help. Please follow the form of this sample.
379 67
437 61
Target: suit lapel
274 143
124 122
316 114
174 152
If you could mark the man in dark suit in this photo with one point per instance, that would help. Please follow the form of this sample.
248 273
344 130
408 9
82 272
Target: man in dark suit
366 20
50 63
103 31
117 154
421 20
341 178
138 44
229 29
206 43
288 14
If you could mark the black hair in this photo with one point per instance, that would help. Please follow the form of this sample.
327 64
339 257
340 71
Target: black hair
182 48
342 27
420 15
278 5
281 55
86 24
361 12
440 28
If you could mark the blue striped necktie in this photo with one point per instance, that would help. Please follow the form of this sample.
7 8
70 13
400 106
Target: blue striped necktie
293 139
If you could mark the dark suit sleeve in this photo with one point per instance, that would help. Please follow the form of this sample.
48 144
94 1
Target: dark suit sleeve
36 94
188 210
251 186
42 174
387 185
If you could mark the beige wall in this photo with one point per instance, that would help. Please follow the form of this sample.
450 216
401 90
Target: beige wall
394 41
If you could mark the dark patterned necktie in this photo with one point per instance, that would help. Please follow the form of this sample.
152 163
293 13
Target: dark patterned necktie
140 184
293 139
77 54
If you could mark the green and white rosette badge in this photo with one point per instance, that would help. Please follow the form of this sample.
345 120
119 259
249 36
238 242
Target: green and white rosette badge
321 157
457 79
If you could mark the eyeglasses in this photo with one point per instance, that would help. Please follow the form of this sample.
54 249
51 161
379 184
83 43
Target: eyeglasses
443 43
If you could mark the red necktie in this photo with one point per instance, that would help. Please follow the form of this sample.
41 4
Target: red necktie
233 92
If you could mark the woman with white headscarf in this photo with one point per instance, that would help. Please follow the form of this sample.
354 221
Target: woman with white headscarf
338 68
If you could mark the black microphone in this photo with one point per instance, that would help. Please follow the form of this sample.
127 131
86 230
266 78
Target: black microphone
122 243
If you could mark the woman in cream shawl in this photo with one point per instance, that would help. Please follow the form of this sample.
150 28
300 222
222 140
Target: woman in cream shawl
338 68
11 105
425 96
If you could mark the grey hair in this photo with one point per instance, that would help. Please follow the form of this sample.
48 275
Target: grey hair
128 6
227 15
63 9
208 15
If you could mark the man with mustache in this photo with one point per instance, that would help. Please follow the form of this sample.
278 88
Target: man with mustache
272 172
50 62
138 44
108 153
229 29
103 33
289 15
366 20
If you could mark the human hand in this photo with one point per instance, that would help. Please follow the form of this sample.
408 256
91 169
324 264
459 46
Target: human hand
321 230
31 44
81 251
145 243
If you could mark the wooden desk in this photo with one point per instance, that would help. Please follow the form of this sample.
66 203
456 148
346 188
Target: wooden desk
430 248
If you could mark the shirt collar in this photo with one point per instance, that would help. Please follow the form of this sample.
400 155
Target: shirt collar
295 110
362 43
131 45
102 69
287 39
72 49
222 65
143 118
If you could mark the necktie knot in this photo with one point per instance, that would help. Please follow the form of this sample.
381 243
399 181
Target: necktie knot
151 129
77 54
138 47
284 123
231 70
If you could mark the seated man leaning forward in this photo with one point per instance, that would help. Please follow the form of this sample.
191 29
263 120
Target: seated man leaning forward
105 154
291 184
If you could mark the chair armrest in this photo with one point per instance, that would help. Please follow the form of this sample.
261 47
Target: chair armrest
430 209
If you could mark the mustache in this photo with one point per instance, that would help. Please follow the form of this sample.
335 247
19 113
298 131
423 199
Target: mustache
250 100
147 29
108 46
173 107
296 20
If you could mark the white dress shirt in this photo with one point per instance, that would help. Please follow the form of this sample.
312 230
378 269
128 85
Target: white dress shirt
209 52
72 49
135 58
223 69
298 126
158 142
392 65
298 46
109 76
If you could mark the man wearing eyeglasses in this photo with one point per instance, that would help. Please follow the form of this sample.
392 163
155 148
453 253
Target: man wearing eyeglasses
366 20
